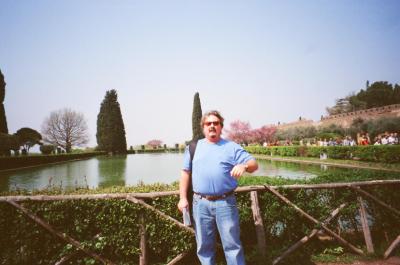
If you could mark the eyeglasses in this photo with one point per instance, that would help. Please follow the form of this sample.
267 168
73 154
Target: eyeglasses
215 123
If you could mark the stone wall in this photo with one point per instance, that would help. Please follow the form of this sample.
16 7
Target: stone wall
346 119
299 123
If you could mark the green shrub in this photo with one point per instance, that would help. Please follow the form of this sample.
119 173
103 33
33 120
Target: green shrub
27 161
47 149
370 153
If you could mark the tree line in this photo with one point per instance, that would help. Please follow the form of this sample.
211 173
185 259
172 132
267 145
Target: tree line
378 94
241 132
64 129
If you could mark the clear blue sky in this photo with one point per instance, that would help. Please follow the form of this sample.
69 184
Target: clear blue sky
256 61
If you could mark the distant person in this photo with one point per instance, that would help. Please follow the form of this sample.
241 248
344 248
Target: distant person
364 140
384 140
391 139
367 137
396 138
217 165
378 140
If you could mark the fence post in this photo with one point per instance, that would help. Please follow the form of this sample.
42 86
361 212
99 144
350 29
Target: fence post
392 247
143 240
365 227
258 222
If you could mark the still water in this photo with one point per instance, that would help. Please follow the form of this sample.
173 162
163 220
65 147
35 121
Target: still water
105 171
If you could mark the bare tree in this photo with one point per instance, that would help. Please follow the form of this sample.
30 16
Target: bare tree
65 128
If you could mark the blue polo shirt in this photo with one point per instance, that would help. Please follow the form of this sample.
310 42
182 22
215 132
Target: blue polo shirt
212 164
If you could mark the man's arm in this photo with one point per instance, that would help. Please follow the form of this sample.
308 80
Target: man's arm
238 170
252 165
183 190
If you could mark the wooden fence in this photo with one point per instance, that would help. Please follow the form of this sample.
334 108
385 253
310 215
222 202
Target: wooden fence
138 198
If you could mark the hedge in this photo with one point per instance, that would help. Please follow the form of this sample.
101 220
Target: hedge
11 162
160 150
370 153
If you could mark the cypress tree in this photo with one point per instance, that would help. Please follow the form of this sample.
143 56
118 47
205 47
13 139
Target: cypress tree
3 120
110 126
196 118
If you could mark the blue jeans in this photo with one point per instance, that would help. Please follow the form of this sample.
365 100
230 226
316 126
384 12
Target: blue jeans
221 215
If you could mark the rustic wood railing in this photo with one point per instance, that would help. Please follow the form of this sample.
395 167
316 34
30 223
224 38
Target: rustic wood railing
137 198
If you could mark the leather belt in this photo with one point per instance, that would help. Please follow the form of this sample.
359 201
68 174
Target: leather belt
215 197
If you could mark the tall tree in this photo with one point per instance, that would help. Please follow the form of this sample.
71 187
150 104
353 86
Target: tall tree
8 142
3 120
357 102
396 94
28 137
65 128
342 106
110 126
379 94
196 118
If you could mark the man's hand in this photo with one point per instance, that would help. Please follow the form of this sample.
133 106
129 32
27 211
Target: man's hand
183 203
238 170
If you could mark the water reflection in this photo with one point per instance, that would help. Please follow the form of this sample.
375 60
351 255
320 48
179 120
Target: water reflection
324 167
153 168
63 175
111 170
286 169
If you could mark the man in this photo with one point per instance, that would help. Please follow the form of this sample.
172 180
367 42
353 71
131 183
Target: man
217 165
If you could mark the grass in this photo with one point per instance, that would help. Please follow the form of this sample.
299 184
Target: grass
346 258
328 257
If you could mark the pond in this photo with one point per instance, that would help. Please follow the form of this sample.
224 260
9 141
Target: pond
128 170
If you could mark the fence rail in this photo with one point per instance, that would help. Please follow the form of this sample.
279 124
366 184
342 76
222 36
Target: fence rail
153 195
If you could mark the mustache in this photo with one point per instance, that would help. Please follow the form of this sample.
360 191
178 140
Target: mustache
212 130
